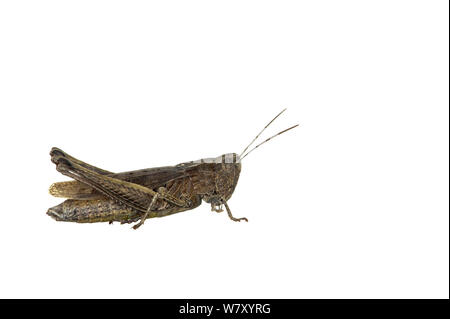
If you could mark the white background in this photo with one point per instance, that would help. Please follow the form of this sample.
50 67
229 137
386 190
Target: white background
352 204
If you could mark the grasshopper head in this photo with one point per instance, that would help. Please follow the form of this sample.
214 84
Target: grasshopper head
227 170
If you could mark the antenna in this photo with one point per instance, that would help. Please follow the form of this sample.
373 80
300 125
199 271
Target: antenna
261 133
269 138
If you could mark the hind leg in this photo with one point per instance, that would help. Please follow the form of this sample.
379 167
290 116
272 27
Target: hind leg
57 153
141 222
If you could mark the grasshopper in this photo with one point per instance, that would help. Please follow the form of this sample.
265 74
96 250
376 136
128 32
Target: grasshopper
97 195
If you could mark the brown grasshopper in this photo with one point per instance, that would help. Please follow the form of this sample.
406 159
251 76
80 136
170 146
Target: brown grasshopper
97 195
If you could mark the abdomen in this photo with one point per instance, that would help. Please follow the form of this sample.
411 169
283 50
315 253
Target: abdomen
92 211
